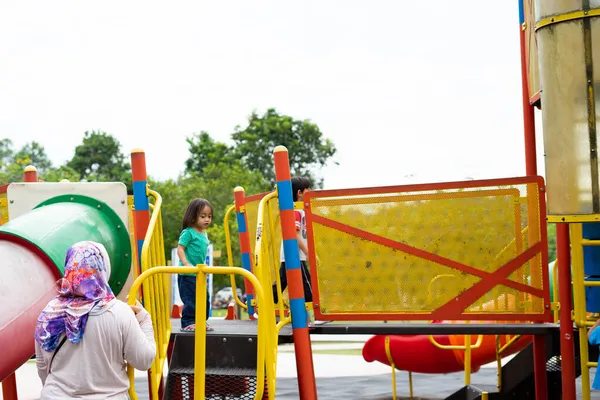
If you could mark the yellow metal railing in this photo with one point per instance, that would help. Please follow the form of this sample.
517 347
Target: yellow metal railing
499 351
579 302
156 291
467 347
262 265
230 256
388 353
467 338
262 269
265 363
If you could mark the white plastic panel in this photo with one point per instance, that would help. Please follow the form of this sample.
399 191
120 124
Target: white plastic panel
23 197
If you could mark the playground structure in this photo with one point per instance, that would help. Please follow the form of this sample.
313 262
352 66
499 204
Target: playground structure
469 256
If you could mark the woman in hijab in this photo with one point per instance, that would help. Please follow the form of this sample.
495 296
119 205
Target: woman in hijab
85 336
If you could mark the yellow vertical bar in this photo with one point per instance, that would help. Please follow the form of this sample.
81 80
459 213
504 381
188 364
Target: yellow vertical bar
498 363
200 343
467 360
388 353
580 306
410 385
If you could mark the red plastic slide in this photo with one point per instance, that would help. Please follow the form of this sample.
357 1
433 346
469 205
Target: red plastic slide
27 279
417 353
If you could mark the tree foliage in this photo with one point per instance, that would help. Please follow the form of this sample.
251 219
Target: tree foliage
308 149
253 147
99 158
35 154
205 151
12 163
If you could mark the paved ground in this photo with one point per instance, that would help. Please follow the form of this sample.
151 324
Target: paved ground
339 376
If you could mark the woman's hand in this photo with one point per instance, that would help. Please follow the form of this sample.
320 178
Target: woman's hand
137 307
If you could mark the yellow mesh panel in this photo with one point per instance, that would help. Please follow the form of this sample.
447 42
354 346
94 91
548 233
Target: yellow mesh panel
3 209
252 215
414 252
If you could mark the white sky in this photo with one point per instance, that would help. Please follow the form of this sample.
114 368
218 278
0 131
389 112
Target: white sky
423 88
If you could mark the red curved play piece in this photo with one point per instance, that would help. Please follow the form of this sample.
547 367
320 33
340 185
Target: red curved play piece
413 353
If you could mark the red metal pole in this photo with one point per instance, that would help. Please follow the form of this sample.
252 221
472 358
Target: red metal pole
567 349
141 214
539 342
528 118
30 174
141 206
304 362
245 249
9 388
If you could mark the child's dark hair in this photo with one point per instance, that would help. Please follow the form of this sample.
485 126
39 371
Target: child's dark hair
193 211
299 183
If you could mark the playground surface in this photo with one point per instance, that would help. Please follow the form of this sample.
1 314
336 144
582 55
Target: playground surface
341 374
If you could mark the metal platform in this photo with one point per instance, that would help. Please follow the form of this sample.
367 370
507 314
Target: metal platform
236 327
395 328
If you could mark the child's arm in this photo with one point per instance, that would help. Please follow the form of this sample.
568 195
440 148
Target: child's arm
301 243
184 240
182 257
592 329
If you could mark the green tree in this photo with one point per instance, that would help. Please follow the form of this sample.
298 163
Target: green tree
60 173
308 149
551 242
13 163
35 154
99 158
205 151
6 151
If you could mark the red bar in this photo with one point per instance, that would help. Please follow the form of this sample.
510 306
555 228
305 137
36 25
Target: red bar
30 174
295 291
528 118
288 231
567 350
282 166
539 367
305 370
239 196
9 388
245 242
138 165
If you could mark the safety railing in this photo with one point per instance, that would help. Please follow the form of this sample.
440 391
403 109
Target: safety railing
229 249
265 362
467 347
582 322
156 291
501 349
262 269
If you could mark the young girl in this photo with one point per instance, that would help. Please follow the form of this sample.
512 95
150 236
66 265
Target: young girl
191 250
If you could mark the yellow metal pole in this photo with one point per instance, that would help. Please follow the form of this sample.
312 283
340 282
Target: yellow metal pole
580 306
498 363
200 342
388 353
228 247
467 360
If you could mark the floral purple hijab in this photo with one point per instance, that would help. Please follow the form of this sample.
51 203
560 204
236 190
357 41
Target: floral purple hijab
84 286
